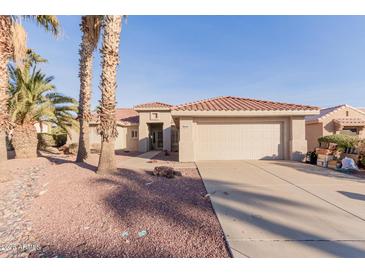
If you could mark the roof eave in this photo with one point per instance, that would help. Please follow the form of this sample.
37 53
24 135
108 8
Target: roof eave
241 113
124 124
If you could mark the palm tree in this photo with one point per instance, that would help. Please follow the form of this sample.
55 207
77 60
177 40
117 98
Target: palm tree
13 45
90 27
32 99
112 26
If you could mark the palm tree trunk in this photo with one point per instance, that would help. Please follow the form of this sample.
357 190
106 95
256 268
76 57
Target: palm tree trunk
84 141
5 54
107 128
86 62
25 141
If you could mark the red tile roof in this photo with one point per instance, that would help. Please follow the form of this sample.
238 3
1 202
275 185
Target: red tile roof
127 116
153 105
349 121
230 103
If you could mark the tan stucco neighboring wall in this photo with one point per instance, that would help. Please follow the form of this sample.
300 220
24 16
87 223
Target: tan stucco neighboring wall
145 118
329 126
312 133
294 143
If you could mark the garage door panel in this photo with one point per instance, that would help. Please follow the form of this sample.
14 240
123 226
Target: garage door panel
236 141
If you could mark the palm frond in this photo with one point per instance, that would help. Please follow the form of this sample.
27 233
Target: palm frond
32 98
48 22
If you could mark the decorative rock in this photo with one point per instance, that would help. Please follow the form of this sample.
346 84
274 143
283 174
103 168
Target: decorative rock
165 171
42 192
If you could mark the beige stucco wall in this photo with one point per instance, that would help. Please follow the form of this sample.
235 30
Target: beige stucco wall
123 141
130 143
95 139
294 143
297 142
312 133
73 136
186 144
165 118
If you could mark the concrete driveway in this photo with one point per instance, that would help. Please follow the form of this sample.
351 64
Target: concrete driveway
287 209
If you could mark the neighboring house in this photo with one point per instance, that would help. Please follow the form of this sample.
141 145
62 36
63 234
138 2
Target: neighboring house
222 128
339 119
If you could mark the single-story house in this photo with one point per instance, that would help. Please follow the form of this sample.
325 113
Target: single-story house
343 119
221 128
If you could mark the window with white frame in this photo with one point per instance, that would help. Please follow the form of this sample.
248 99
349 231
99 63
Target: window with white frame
134 134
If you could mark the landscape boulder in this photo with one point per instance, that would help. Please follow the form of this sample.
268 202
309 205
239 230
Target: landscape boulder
69 149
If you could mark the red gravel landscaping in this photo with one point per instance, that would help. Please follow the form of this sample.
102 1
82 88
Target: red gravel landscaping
130 214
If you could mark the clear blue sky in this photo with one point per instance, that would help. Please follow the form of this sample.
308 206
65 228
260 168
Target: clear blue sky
316 60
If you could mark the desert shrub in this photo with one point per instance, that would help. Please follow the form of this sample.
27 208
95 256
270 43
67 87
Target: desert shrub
60 139
343 141
51 140
45 140
72 148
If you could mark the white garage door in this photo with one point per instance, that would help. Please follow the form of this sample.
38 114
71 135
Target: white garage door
239 141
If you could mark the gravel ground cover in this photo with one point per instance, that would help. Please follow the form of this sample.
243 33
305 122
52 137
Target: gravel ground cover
73 212
17 194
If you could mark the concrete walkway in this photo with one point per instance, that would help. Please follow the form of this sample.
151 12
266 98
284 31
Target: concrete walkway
141 161
286 209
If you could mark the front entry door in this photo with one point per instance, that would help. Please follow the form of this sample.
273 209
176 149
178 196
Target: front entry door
157 139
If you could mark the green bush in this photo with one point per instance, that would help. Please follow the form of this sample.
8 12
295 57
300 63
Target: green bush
51 140
343 141
60 139
45 140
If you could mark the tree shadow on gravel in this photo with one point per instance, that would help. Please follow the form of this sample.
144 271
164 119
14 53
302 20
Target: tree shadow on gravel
174 211
60 161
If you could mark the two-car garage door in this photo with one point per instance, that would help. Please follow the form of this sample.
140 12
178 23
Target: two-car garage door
239 141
